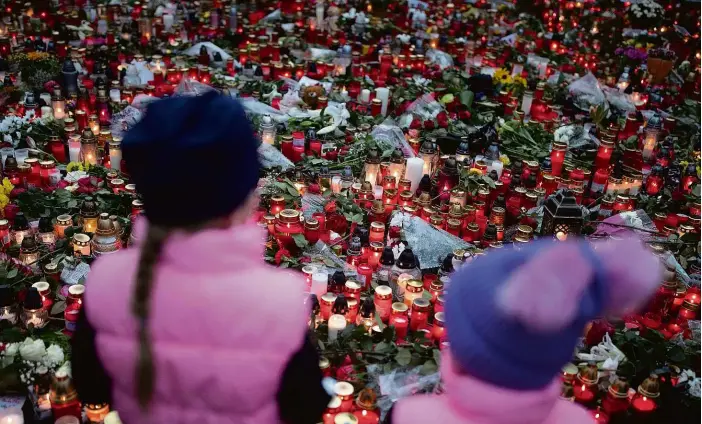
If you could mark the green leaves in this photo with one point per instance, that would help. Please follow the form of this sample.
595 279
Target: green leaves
403 357
300 240
466 98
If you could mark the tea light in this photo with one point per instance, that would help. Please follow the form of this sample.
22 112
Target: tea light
81 244
344 390
414 290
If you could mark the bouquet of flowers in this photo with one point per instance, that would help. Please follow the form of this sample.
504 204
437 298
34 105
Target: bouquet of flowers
24 359
631 56
645 13
660 63
36 68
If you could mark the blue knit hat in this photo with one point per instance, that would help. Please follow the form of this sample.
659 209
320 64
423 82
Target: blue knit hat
192 159
514 316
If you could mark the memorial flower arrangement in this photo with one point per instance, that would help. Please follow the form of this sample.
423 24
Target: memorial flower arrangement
35 68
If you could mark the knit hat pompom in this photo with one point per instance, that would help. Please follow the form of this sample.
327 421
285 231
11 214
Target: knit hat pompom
513 317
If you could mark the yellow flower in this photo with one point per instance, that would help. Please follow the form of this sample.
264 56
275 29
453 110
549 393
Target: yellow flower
7 185
518 79
504 159
37 55
502 76
4 200
475 171
74 166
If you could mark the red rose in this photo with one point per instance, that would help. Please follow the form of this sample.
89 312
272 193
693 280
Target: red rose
346 373
16 192
332 155
429 124
597 331
279 256
442 119
314 189
416 124
10 211
305 260
464 115
337 223
63 184
330 207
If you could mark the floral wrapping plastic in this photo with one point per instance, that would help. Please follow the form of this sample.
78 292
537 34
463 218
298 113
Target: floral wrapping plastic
389 136
586 92
429 244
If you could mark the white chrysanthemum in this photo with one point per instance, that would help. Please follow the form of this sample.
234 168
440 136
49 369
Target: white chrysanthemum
32 350
54 355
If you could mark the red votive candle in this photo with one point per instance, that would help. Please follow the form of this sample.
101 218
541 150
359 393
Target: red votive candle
365 273
557 158
399 320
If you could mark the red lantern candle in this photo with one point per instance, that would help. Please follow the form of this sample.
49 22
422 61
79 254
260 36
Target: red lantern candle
383 302
312 230
558 157
288 224
693 295
643 404
399 320
604 153
326 302
277 204
377 232
438 331
688 311
352 289
365 272
419 315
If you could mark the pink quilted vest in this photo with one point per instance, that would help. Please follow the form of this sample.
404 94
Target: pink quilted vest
223 326
470 401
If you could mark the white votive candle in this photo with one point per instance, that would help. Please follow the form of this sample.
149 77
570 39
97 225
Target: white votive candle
414 172
336 323
383 94
319 284
364 97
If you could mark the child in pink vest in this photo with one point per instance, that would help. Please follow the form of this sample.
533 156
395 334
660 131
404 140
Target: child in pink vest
513 319
190 325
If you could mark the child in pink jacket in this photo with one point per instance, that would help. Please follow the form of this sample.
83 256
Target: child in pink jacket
513 319
190 325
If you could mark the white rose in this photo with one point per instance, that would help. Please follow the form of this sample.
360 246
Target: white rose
11 349
54 355
32 350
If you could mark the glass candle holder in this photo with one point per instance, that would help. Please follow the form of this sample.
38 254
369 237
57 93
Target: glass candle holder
438 331
419 314
96 413
93 125
288 224
645 401
383 302
604 153
29 252
81 244
365 273
88 147
352 289
558 151
344 390
376 250
35 315
400 320
326 302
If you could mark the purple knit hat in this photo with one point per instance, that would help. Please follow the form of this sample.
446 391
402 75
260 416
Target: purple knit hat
514 317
